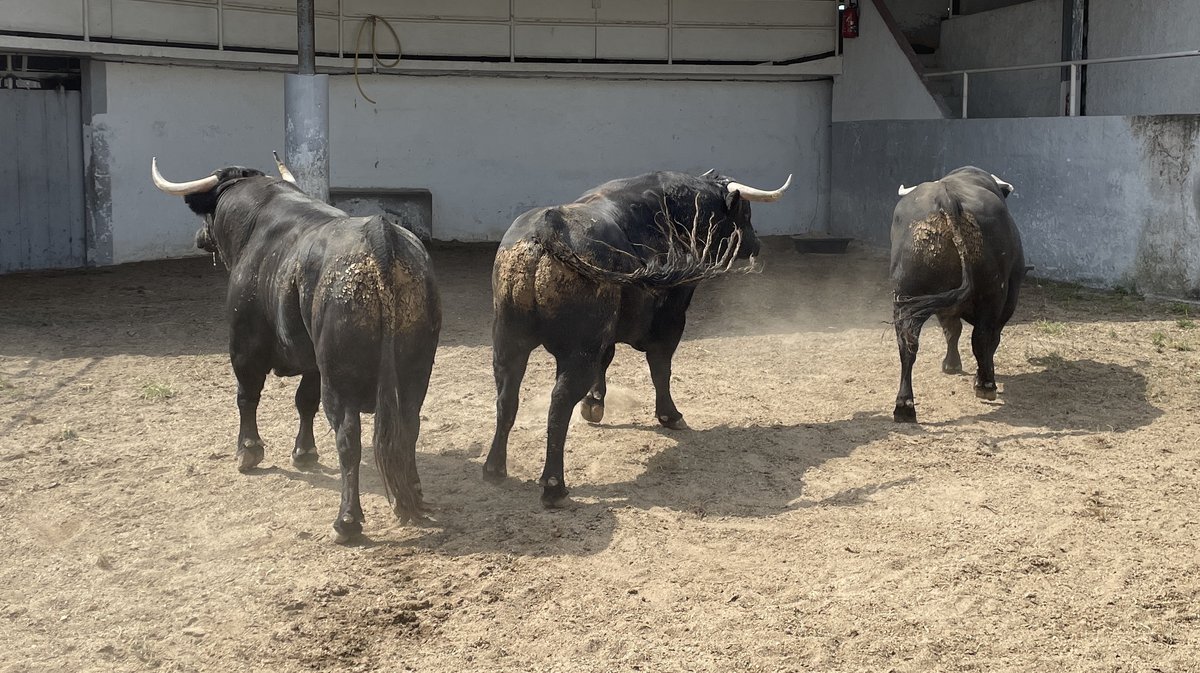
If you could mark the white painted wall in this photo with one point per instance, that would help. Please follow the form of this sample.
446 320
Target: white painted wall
744 30
877 80
487 148
194 120
1132 27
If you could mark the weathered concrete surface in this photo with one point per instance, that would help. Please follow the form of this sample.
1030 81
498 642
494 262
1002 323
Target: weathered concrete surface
1105 201
306 132
97 181
877 80
920 20
1024 34
1131 27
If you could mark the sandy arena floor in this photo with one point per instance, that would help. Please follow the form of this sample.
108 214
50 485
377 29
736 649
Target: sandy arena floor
793 528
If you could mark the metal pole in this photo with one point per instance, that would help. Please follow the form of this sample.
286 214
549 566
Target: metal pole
671 32
306 111
220 25
306 132
306 43
966 86
1074 48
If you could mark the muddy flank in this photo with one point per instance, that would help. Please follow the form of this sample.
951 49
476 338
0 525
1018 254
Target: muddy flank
794 528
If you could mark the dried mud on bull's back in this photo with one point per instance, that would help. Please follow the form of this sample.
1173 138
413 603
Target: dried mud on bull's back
356 280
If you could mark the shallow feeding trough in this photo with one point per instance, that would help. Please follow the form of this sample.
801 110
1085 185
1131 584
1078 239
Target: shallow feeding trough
821 244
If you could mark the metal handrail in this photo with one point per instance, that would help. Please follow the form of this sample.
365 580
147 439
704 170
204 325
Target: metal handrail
1073 99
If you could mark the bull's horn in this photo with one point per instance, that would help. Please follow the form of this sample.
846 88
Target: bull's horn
753 194
180 188
709 173
904 190
1004 186
283 169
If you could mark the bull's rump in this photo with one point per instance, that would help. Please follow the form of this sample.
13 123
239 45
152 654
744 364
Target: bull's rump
366 294
527 279
928 251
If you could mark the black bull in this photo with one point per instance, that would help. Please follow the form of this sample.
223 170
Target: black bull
619 265
347 303
956 253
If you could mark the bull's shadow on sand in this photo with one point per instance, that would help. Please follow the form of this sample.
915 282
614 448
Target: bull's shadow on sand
754 471
1070 395
727 471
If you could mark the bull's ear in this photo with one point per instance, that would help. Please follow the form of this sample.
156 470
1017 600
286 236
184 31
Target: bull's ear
733 200
1005 188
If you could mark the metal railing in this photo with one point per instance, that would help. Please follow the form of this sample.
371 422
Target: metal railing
1072 107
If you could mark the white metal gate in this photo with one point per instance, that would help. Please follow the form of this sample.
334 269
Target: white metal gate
41 180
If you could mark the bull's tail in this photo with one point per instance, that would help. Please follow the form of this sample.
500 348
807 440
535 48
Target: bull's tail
918 309
395 438
687 259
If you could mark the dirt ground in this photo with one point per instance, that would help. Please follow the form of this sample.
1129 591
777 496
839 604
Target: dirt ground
794 527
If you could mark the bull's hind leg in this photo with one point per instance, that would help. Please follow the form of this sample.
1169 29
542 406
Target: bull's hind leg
347 426
413 388
908 335
250 378
952 330
510 357
592 407
576 373
308 400
984 341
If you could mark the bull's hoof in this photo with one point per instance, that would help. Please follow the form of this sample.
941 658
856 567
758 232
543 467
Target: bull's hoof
494 474
673 422
554 493
249 455
905 412
591 410
345 529
304 458
986 392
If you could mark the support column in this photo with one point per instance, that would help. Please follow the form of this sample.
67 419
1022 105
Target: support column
306 132
1074 48
306 111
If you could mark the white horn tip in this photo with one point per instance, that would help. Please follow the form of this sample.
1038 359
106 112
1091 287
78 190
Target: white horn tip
904 190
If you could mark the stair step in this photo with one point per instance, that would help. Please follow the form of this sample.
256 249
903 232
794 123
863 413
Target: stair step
929 61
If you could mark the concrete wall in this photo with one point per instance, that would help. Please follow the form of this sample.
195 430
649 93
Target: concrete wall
194 120
920 20
977 6
1021 34
877 80
1099 200
1131 27
487 148
1031 32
